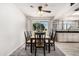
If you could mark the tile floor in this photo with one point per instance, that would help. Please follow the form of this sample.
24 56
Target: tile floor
69 49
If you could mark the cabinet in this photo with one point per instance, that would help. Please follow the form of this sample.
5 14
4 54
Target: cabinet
68 37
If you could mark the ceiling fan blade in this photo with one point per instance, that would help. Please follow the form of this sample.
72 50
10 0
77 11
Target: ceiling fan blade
46 11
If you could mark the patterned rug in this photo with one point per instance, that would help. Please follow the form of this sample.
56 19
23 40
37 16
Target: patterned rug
22 52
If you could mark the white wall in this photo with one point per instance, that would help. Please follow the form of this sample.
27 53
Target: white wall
29 25
12 26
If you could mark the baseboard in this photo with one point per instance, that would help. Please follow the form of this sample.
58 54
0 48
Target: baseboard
15 49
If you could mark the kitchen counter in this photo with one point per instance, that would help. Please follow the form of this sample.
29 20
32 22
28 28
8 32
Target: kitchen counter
67 36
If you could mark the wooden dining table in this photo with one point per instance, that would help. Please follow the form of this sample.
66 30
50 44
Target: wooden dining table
33 38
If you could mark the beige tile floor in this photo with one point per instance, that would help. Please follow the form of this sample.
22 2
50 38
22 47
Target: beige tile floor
69 49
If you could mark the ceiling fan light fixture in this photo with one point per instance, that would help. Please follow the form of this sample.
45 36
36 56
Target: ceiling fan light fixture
40 13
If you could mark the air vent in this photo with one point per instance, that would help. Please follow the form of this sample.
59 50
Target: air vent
77 9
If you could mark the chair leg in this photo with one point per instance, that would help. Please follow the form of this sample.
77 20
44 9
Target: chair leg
54 47
25 47
33 46
51 44
46 46
35 51
49 48
44 51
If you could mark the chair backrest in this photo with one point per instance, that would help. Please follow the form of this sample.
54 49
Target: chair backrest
25 34
51 35
40 37
54 36
29 34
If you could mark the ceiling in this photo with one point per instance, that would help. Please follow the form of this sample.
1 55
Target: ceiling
58 9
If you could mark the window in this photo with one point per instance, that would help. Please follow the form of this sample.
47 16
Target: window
67 25
40 25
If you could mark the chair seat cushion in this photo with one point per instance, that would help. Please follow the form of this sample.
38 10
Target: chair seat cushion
39 46
51 41
29 41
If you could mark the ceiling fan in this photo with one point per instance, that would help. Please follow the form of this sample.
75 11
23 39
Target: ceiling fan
40 8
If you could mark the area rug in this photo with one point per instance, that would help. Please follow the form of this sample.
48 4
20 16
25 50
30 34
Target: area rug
22 52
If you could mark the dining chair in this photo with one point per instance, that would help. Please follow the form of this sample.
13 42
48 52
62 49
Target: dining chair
51 42
53 39
27 39
40 42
